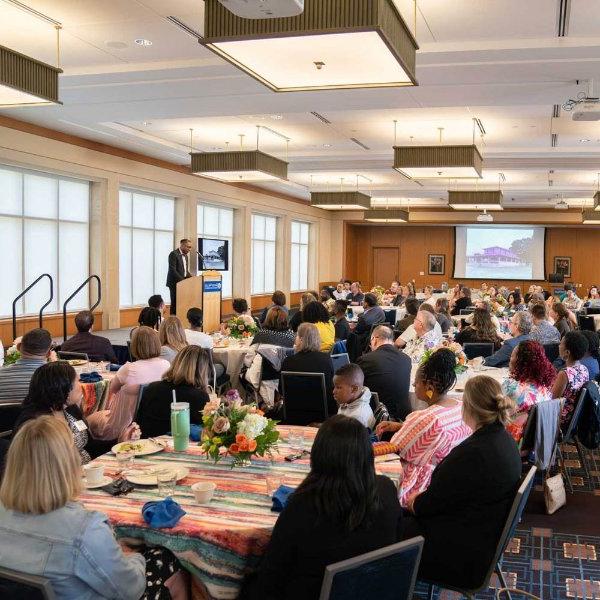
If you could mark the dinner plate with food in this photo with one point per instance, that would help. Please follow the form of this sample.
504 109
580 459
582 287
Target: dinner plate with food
139 447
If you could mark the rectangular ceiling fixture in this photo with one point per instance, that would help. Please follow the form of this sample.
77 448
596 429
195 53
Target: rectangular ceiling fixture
340 200
25 81
243 165
590 217
438 162
475 200
386 215
333 44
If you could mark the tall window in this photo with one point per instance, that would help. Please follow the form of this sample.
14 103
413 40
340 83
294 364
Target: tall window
146 224
215 222
44 228
264 234
299 264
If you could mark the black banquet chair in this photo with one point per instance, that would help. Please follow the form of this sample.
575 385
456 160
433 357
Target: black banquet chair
14 584
475 349
551 351
304 398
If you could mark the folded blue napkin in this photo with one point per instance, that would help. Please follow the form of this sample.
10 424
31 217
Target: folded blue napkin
281 497
195 432
163 514
114 367
92 377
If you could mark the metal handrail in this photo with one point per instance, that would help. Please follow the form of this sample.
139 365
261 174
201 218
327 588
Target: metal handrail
14 304
86 282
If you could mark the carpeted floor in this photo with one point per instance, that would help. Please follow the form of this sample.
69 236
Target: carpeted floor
555 556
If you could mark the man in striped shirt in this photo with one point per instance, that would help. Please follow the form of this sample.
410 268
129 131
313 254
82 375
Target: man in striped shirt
35 347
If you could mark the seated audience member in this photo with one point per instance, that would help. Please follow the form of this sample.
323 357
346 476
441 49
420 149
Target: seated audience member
316 313
412 307
150 317
530 380
519 327
442 314
485 305
241 308
172 338
156 301
96 347
542 330
45 531
275 329
462 301
55 390
278 299
356 296
592 299
341 510
571 301
401 296
341 325
188 378
352 397
515 304
195 335
124 388
340 293
326 299
590 358
569 381
308 358
296 318
387 371
410 334
427 436
428 296
559 313
373 315
481 330
35 348
463 511
426 333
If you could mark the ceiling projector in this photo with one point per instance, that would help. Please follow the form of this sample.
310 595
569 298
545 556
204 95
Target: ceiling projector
485 217
264 9
588 110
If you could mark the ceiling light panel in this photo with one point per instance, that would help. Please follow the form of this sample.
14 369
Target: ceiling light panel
475 200
250 165
438 162
590 217
382 215
340 200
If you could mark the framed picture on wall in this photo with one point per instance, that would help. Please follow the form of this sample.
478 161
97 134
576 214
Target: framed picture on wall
437 264
562 265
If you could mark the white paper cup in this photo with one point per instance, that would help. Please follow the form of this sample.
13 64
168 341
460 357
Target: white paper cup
204 491
93 473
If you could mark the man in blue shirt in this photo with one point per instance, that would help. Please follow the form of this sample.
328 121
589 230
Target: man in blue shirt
519 327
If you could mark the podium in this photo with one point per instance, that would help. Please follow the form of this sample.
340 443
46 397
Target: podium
202 291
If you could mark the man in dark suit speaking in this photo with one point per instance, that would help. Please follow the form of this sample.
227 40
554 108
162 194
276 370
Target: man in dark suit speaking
179 269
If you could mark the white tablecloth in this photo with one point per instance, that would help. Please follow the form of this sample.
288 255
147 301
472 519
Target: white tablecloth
232 358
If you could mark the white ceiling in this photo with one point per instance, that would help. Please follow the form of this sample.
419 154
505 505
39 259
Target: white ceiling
498 60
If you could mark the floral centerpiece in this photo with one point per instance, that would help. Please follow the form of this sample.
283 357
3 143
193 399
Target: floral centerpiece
12 355
456 348
241 327
379 292
241 429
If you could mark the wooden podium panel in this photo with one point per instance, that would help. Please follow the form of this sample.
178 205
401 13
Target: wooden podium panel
202 291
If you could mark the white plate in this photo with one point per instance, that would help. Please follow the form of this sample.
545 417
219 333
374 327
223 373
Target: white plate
147 447
91 486
147 476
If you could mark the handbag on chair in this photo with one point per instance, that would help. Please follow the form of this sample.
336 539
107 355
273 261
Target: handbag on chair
555 495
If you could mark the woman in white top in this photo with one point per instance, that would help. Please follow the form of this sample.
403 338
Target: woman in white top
195 335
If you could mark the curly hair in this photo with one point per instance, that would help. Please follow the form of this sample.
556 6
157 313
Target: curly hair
532 365
50 386
315 312
439 370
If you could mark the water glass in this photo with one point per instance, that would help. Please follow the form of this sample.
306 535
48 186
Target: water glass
166 482
273 482
125 461
296 441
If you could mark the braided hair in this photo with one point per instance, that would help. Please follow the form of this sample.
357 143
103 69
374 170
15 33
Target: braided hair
439 370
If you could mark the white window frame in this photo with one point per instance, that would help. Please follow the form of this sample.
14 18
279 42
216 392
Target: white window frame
299 245
257 240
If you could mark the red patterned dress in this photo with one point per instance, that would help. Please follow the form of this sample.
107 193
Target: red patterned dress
425 439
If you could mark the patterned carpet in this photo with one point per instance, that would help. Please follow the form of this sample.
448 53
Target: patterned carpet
554 556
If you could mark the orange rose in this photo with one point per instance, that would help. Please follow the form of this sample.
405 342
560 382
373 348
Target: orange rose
252 446
240 438
244 446
234 449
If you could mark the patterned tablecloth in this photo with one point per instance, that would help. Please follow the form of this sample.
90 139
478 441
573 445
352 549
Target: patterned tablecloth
222 541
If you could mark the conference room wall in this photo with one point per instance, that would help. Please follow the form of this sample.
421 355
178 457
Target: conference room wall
109 169
413 244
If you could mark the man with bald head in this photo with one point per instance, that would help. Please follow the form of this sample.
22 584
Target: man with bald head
387 372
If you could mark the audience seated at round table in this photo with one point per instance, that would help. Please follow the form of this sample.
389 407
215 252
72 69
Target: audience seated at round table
316 313
275 329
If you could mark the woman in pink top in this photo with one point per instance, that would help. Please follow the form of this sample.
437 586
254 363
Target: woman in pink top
427 436
124 388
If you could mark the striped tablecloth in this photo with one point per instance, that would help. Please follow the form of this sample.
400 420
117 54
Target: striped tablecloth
219 543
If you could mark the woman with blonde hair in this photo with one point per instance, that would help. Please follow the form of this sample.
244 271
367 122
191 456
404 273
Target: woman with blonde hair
45 532
188 379
470 493
296 318
172 338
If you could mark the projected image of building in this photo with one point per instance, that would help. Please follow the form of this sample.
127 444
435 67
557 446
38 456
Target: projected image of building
495 256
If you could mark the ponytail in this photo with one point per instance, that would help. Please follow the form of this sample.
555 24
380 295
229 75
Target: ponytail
485 403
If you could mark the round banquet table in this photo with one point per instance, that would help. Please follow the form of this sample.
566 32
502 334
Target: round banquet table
230 353
220 542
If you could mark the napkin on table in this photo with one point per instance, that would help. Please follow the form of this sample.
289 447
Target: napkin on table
92 377
281 497
163 514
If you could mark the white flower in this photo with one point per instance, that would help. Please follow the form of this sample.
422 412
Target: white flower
248 320
11 350
252 425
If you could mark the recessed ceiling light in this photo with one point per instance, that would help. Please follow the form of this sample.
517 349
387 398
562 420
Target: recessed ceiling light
146 123
584 140
143 42
276 117
326 145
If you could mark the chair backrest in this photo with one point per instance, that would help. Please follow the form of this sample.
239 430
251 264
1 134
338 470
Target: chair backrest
304 398
339 360
551 351
14 584
390 316
572 426
9 413
474 349
72 356
592 310
388 573
528 437
143 386
467 311
586 323
212 369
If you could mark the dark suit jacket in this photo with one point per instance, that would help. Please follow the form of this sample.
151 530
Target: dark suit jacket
370 317
461 304
501 357
387 372
463 511
176 271
95 346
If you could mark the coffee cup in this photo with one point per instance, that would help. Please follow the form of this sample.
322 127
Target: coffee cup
203 491
93 473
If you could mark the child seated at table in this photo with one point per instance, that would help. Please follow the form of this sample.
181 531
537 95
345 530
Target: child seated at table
352 397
